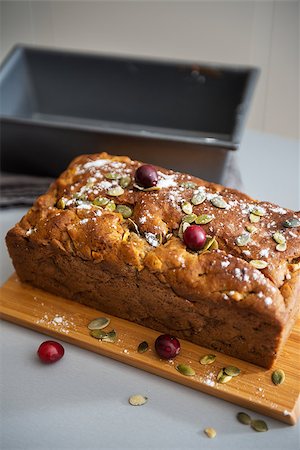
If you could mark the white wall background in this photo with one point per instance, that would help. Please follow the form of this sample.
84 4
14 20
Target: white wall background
260 33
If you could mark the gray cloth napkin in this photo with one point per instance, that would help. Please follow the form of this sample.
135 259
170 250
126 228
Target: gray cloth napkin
18 190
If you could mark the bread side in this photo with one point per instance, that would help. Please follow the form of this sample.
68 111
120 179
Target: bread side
138 268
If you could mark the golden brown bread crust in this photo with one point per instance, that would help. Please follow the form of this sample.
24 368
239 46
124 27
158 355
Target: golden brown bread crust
140 269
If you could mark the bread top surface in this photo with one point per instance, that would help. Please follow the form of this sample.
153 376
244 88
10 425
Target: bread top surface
69 218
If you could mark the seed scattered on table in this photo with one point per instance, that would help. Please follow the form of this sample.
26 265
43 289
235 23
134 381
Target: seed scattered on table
210 432
137 400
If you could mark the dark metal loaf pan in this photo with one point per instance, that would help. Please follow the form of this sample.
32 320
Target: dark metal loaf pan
56 105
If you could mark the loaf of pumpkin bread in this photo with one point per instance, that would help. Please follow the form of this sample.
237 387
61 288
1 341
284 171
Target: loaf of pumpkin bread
104 239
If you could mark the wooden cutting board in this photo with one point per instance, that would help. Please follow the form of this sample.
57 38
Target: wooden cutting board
67 320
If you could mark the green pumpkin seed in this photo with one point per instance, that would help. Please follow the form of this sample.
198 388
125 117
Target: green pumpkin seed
210 432
219 202
281 247
188 185
99 323
209 243
253 218
198 198
111 206
258 263
143 347
115 191
251 228
186 370
259 425
222 377
203 219
291 223
243 239
61 204
124 210
98 334
182 228
214 245
278 376
187 207
279 237
111 336
124 182
243 418
232 371
207 359
101 201
190 218
111 176
137 400
258 211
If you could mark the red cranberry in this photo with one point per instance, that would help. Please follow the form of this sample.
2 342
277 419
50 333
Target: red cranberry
146 176
167 346
50 351
194 237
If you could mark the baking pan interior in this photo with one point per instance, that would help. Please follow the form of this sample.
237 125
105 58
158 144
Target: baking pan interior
166 100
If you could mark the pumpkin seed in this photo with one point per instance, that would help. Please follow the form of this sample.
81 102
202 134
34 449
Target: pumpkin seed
198 198
219 202
258 263
101 201
124 210
222 377
182 228
188 185
115 191
210 432
61 204
110 337
133 225
232 371
281 247
253 218
259 425
207 359
99 323
186 370
103 336
111 176
208 244
243 239
291 223
203 219
279 237
214 245
278 376
187 207
137 400
251 228
111 206
98 334
258 211
143 347
243 418
124 182
190 218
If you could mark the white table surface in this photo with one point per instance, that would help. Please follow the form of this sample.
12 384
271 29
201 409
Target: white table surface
81 402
